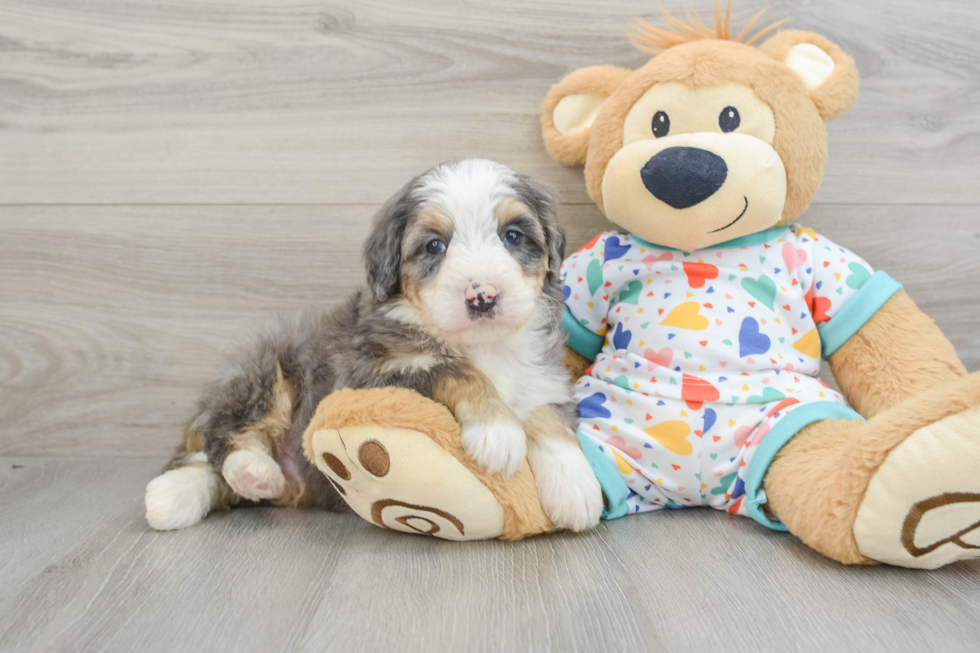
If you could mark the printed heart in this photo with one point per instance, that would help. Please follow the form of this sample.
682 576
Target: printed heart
809 344
672 436
793 257
750 340
650 259
695 391
686 316
818 307
591 243
592 407
710 417
769 395
632 293
613 250
621 338
782 405
593 275
656 358
763 289
726 482
760 434
858 277
699 273
742 434
618 442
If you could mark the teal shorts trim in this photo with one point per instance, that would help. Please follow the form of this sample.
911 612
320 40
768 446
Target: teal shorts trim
585 342
781 433
613 486
853 315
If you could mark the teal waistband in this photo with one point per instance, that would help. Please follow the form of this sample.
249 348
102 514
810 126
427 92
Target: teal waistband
585 342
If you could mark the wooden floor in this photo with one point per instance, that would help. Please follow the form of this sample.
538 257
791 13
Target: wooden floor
171 172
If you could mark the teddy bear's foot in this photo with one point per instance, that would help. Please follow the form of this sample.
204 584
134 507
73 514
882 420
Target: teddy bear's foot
922 507
402 480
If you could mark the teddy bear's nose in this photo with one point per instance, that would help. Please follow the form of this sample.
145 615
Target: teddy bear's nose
684 176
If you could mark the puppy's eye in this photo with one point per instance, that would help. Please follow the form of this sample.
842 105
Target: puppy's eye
513 238
729 120
661 124
436 247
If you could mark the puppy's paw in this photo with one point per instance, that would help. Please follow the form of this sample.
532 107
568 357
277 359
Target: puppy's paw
180 498
568 489
253 475
499 447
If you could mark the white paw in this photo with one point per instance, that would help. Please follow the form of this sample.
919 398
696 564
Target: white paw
180 498
498 447
568 489
253 475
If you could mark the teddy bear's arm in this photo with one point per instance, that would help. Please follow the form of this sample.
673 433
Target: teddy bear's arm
897 354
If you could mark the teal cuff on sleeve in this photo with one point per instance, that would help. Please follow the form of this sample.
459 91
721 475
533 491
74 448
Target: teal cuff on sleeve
585 342
856 312
776 439
610 480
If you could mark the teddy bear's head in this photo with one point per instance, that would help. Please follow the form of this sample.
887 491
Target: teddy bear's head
712 139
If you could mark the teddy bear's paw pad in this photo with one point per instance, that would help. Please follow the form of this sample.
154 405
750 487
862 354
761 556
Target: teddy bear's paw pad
402 480
922 507
253 475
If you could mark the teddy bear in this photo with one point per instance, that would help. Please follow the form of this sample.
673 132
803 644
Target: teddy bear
697 330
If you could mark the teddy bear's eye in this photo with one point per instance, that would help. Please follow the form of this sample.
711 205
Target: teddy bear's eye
729 120
661 124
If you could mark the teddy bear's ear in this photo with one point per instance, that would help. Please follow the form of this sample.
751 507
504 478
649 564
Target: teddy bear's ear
830 75
571 107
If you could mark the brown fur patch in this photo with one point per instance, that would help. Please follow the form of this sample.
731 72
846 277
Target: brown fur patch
546 422
193 441
471 397
576 364
508 209
434 219
406 409
264 435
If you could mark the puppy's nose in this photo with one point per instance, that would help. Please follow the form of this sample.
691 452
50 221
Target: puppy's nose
481 297
684 176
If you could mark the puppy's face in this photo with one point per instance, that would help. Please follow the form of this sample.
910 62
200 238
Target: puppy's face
478 244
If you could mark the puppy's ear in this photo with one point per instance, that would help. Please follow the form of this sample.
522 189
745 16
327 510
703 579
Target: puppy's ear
571 107
541 199
383 248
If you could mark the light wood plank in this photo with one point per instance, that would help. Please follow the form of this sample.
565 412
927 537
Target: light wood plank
279 101
84 573
114 318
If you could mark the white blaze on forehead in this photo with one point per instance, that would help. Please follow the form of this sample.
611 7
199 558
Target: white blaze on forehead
467 192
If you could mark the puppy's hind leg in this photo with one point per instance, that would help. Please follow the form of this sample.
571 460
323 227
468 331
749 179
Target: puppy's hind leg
187 491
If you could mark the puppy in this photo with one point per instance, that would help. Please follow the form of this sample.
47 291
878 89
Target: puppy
463 305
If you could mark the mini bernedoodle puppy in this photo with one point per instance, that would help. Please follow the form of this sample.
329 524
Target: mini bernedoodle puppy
463 305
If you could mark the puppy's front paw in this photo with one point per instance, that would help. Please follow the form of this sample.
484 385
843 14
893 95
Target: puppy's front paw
499 447
568 489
